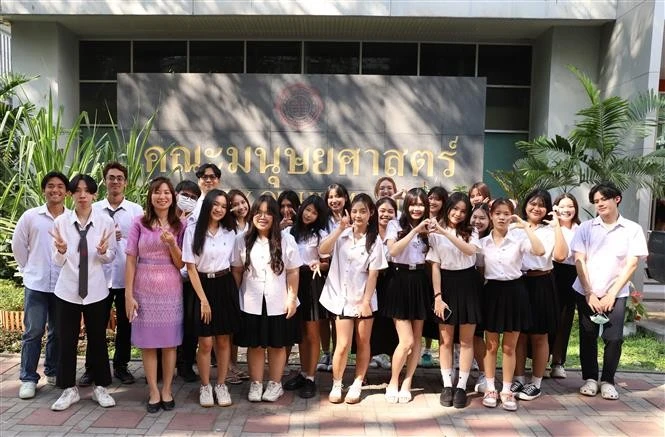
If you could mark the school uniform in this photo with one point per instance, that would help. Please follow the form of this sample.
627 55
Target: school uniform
263 295
409 293
384 337
461 284
605 251
310 285
564 277
505 298
214 268
539 281
347 277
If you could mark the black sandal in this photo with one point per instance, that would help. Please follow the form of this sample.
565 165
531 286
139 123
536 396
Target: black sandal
153 408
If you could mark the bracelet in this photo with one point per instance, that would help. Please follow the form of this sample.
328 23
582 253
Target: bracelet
436 295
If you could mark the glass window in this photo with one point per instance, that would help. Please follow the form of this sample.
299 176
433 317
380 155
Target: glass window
505 65
160 56
103 60
447 60
500 154
99 101
507 108
332 57
216 56
390 58
273 57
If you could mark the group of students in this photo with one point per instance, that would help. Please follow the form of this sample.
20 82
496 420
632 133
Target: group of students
459 268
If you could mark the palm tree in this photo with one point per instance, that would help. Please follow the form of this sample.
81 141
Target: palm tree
599 148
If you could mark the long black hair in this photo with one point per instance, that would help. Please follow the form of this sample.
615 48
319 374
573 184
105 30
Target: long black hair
372 231
442 194
300 230
486 210
464 228
292 197
227 222
405 221
341 191
274 237
539 194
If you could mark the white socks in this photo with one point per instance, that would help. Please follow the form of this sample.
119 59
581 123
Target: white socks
461 381
447 375
536 381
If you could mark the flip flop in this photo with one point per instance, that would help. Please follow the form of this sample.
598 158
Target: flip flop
404 397
590 388
608 391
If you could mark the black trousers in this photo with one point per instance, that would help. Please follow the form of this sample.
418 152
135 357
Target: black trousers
186 352
68 327
564 277
612 337
123 329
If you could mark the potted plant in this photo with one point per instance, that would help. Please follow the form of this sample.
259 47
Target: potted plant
635 310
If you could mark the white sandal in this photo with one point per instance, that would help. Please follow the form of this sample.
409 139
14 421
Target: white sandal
608 391
590 388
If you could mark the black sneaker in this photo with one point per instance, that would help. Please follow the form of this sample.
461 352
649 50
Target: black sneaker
187 373
295 383
308 390
459 398
529 392
446 398
123 375
85 379
516 387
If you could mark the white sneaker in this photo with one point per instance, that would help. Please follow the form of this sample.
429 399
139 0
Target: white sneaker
102 397
68 397
383 361
273 392
557 371
223 396
205 396
255 391
481 384
27 390
353 395
335 395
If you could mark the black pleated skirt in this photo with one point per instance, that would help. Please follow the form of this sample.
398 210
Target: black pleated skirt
384 335
222 295
408 295
461 291
506 306
543 304
268 331
309 292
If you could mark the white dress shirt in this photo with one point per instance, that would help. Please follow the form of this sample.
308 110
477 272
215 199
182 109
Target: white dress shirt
349 270
33 249
259 281
568 235
67 286
545 234
445 253
606 252
413 253
216 253
309 248
123 218
504 262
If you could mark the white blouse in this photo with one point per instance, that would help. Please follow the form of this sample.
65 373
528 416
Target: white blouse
259 281
445 253
413 253
546 236
349 270
309 248
504 262
568 235
216 253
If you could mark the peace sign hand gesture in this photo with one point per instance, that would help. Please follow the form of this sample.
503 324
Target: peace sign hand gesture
103 244
345 221
60 243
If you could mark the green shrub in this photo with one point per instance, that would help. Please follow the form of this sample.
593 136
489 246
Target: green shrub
11 296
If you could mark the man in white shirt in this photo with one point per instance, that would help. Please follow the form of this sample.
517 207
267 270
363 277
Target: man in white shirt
208 175
607 250
123 212
32 246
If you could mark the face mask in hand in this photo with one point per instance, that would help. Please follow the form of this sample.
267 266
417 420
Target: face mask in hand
185 203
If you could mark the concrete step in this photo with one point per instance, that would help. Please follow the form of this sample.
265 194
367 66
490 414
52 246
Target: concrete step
653 327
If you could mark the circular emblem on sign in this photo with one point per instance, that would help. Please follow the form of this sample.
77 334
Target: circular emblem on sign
299 106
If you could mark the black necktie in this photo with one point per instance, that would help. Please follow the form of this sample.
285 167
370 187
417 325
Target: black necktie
112 211
83 260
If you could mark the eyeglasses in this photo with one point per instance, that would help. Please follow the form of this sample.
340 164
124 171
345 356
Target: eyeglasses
209 177
115 178
263 214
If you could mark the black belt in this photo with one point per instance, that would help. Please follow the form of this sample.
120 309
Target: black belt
536 273
214 275
398 266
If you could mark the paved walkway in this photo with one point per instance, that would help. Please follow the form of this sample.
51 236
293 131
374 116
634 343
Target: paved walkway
560 412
